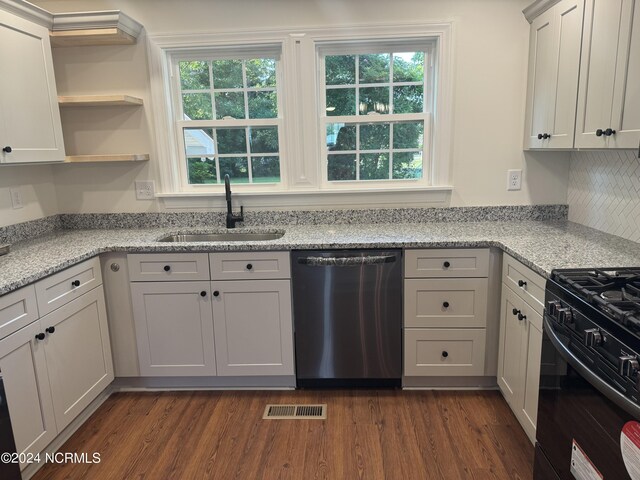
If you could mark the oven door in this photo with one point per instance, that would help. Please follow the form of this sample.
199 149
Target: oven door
581 419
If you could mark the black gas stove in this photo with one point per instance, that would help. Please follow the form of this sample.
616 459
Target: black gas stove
589 402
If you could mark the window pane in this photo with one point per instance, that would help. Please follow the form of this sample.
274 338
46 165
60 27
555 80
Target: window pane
229 104
341 167
409 99
340 69
263 105
194 75
261 72
197 106
408 135
201 170
227 74
231 140
198 141
341 136
236 167
374 100
407 165
374 68
374 136
265 169
264 139
341 101
374 166
408 67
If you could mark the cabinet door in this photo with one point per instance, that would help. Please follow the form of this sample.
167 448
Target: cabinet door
253 327
531 374
78 354
28 100
174 328
510 349
26 382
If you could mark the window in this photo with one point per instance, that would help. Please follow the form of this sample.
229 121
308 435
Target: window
375 108
228 119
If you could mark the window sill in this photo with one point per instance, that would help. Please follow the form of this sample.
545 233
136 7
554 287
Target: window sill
310 199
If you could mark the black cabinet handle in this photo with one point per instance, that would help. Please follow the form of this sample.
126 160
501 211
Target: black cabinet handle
522 283
539 136
608 132
446 264
599 132
40 336
445 354
167 268
50 329
445 304
249 266
75 283
521 317
543 136
515 311
7 149
216 293
203 293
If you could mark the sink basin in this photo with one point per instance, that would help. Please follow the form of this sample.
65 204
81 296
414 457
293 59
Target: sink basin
223 237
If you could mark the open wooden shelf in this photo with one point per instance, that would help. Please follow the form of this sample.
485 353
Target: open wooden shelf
98 100
127 157
95 36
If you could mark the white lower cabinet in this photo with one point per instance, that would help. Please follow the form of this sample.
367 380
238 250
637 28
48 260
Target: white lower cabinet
253 327
174 328
26 381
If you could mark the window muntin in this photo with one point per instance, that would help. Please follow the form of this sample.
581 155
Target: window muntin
229 121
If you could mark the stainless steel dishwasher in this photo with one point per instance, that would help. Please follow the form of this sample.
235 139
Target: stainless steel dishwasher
348 317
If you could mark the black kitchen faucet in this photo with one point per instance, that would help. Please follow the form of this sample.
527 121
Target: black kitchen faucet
231 218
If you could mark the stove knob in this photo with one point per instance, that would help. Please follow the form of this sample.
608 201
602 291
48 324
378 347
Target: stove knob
628 366
592 337
553 306
565 315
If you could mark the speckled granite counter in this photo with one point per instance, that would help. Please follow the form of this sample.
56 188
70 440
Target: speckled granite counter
542 246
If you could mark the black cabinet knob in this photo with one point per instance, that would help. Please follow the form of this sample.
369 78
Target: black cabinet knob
216 293
50 329
167 268
7 149
599 132
539 136
445 304
608 132
75 283
522 317
545 136
203 293
249 266
445 354
515 311
446 264
522 283
40 336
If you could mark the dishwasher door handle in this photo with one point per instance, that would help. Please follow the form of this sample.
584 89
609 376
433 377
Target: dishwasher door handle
346 261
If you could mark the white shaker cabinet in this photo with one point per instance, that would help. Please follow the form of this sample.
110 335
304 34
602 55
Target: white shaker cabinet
554 58
30 126
609 93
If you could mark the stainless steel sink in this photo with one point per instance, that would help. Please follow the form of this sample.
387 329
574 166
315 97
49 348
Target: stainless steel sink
223 237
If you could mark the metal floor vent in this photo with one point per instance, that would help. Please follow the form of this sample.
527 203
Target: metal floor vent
295 412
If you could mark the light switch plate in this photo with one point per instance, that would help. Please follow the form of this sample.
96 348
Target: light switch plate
145 190
514 179
16 198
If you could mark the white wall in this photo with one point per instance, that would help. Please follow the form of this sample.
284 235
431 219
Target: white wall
490 46
35 183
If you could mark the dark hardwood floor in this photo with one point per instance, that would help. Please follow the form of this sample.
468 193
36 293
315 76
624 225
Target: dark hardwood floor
404 435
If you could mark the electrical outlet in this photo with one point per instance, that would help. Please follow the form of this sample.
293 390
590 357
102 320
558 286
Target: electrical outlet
16 198
145 190
514 179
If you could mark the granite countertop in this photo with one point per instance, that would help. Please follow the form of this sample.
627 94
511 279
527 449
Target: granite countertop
540 245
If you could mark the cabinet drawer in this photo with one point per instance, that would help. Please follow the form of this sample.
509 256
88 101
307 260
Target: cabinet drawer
444 352
17 309
445 302
60 288
167 267
526 283
250 265
440 262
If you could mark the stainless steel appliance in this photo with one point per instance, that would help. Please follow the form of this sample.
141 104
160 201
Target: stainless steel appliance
348 317
8 470
589 403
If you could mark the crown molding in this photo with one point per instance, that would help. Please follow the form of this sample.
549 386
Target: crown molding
538 7
28 11
96 20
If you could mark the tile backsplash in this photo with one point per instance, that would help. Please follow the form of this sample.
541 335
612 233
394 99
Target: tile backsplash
604 191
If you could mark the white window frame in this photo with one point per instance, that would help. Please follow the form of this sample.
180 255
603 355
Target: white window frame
301 145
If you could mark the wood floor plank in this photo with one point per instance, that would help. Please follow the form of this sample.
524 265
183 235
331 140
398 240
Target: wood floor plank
386 434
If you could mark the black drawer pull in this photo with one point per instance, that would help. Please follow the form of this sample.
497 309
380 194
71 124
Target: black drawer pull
445 304
515 311
167 268
7 149
446 264
203 293
445 354
50 329
216 293
75 283
521 317
40 336
249 266
522 283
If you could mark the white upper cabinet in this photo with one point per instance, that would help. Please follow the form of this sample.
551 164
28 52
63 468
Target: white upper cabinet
609 94
30 127
554 58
